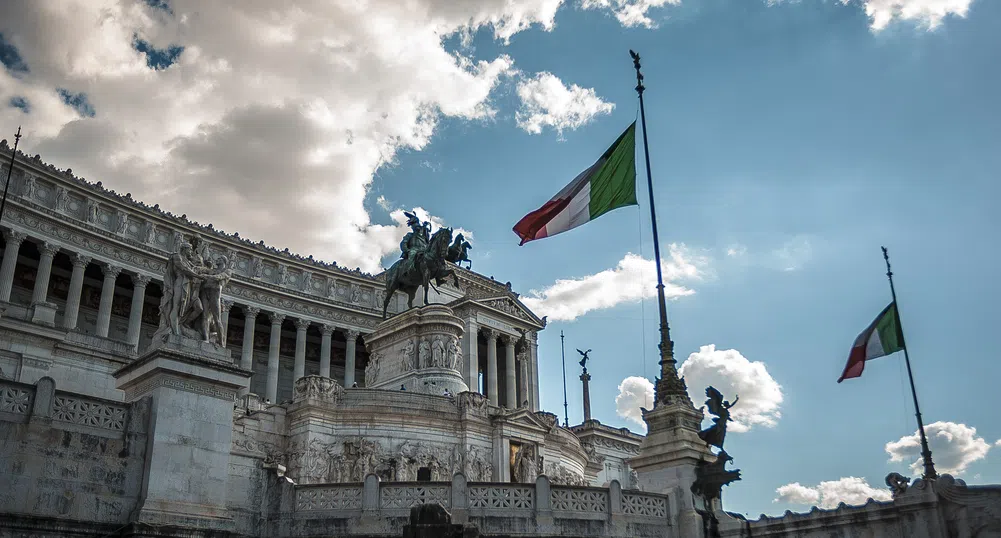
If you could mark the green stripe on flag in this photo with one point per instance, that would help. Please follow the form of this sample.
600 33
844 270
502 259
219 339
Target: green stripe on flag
614 184
888 329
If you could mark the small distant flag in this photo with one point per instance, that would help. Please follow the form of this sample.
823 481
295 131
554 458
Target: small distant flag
608 184
883 337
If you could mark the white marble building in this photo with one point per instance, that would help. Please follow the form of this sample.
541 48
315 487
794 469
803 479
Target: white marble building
316 418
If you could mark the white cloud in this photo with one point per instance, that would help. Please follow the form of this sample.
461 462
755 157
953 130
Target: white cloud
736 250
998 443
953 446
793 254
547 102
849 490
273 119
926 13
733 375
629 12
632 279
634 392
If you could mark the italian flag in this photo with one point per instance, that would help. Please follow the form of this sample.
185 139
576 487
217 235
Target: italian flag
607 184
881 338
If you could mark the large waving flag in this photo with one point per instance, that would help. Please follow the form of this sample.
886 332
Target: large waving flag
882 337
607 184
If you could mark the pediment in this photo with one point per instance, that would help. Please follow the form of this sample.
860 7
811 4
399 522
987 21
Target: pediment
512 307
524 418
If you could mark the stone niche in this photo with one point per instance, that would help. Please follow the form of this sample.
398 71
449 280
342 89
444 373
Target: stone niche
419 350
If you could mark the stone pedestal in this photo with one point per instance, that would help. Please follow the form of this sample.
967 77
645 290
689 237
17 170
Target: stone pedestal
420 350
668 457
193 386
43 313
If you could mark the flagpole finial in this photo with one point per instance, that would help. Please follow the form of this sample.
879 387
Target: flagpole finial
639 76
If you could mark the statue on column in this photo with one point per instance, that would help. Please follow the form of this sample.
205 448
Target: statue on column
715 434
192 295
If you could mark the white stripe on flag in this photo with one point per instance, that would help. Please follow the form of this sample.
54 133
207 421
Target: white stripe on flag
576 213
874 347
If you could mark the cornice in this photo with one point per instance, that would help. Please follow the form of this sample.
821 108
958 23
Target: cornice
66 178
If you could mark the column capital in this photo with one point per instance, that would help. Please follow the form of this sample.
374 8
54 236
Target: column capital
507 339
141 281
14 236
79 260
227 304
327 329
276 318
302 324
351 334
47 248
110 271
250 312
489 333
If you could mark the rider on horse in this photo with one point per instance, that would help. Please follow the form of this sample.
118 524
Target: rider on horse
416 240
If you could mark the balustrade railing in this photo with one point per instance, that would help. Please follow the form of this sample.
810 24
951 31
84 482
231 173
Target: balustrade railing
479 499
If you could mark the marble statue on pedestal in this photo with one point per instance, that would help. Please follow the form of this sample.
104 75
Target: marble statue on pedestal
192 296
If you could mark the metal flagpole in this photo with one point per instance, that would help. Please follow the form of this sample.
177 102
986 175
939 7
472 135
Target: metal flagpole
563 351
925 451
3 204
669 384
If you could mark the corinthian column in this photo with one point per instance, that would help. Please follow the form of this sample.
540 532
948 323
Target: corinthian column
40 293
273 349
510 396
349 357
80 264
247 352
326 331
139 283
107 294
491 365
523 379
470 343
300 349
14 240
226 306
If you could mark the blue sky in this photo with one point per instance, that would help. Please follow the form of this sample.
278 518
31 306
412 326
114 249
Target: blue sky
788 141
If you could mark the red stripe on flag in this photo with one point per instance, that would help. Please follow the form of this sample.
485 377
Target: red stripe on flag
856 363
529 226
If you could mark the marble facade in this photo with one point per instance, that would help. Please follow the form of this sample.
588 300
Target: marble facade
296 425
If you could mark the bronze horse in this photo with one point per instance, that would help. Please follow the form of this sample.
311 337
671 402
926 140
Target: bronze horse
410 274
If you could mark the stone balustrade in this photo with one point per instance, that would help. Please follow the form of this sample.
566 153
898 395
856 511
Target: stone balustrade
539 508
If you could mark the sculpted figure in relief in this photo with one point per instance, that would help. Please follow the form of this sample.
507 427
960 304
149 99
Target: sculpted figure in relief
452 354
149 234
29 186
424 354
372 369
437 352
257 268
307 281
524 465
123 223
407 356
282 274
92 210
62 199
355 293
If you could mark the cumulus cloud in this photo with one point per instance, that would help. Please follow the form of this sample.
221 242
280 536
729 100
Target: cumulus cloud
629 12
926 13
634 392
733 375
954 447
849 490
547 102
998 443
630 280
266 120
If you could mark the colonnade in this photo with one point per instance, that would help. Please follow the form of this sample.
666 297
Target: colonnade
71 314
517 377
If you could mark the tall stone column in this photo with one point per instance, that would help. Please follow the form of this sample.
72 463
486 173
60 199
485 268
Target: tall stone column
107 294
585 378
40 293
273 349
523 389
139 283
510 396
533 371
326 331
470 345
299 370
80 264
14 240
349 357
224 337
491 365
247 352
